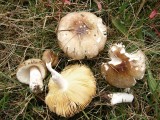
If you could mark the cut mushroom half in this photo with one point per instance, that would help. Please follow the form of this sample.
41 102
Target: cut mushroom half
81 34
119 97
32 72
124 68
71 90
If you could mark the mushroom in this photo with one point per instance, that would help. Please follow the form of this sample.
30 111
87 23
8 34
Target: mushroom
71 91
81 34
124 68
50 56
32 72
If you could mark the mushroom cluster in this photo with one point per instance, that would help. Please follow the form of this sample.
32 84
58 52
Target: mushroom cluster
81 34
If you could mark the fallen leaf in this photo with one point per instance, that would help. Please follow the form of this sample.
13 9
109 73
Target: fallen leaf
67 2
153 14
98 5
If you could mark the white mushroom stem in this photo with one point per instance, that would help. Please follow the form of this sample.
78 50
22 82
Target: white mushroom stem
36 80
127 90
57 77
120 98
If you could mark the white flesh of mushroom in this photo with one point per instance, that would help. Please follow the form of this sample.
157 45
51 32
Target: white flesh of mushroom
57 77
115 61
128 90
120 98
106 66
36 80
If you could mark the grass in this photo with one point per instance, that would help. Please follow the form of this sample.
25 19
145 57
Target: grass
27 28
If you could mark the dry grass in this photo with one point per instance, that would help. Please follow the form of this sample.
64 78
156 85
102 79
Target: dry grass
27 28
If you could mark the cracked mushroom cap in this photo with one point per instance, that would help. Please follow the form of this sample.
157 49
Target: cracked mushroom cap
23 70
81 34
124 68
79 93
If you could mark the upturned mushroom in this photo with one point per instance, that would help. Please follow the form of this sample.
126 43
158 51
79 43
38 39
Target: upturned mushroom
71 91
81 34
124 68
32 72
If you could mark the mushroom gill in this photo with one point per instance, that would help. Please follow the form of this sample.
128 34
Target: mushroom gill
71 91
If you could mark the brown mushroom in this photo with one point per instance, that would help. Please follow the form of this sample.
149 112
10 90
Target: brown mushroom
32 72
124 68
81 34
50 56
71 91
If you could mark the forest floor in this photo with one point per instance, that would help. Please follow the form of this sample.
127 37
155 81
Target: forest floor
29 27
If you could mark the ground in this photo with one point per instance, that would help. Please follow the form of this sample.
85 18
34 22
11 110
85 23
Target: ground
29 27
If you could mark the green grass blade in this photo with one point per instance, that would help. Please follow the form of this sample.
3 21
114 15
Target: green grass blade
139 34
117 23
151 82
85 115
4 101
7 77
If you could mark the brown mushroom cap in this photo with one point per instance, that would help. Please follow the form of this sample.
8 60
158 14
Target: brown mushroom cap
124 68
81 89
50 56
81 34
23 69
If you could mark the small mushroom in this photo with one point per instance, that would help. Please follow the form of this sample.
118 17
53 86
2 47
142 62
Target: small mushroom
50 56
71 91
124 68
32 72
81 34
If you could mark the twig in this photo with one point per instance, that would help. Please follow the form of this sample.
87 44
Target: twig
1 42
25 106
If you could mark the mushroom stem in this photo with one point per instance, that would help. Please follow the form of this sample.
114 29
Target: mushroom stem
36 80
57 77
116 98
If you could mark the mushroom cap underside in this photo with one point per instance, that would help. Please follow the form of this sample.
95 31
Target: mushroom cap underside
23 70
81 90
81 34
